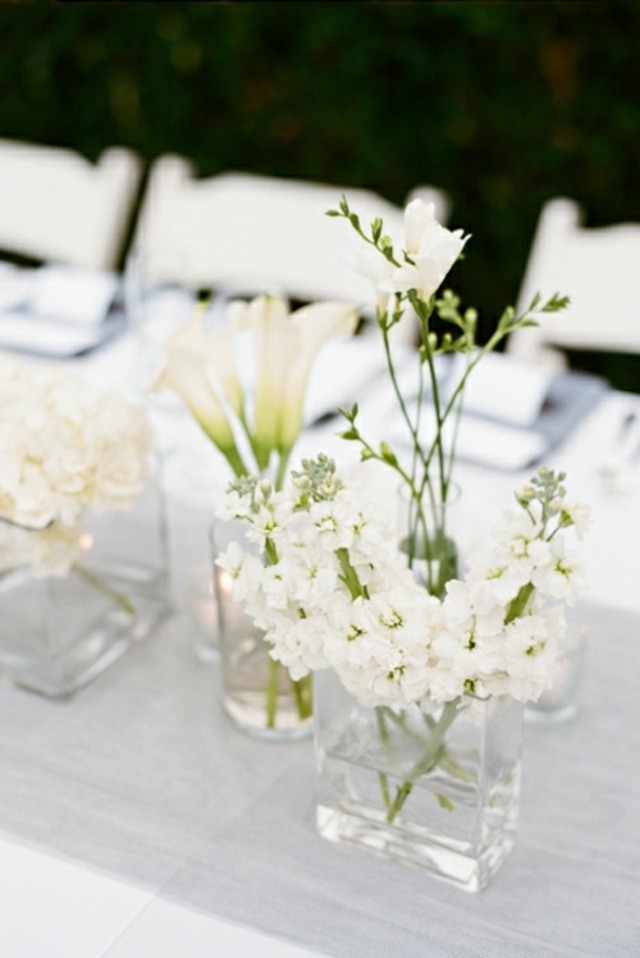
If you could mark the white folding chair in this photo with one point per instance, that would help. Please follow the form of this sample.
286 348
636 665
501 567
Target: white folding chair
55 205
597 269
249 233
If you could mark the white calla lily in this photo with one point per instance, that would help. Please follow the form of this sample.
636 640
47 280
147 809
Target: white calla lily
287 345
184 373
315 325
201 369
275 346
216 350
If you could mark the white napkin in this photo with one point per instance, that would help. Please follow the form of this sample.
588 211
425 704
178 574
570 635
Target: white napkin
504 388
80 296
15 286
345 371
62 311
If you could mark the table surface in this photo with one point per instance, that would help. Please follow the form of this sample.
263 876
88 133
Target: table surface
136 821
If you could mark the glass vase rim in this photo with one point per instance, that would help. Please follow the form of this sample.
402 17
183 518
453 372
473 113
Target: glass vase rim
454 493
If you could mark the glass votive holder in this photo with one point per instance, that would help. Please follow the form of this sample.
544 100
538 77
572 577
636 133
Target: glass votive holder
258 694
559 702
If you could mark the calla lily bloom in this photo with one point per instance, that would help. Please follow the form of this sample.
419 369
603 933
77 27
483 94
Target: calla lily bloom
314 326
287 345
201 369
215 349
184 373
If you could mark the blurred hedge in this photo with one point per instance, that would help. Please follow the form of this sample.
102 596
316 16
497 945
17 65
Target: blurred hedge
503 104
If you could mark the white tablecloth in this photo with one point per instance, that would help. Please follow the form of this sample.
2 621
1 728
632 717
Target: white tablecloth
189 838
141 778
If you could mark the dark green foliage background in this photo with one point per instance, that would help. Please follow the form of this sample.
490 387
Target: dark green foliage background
503 104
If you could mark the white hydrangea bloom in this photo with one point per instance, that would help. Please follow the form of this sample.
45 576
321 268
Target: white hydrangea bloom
65 446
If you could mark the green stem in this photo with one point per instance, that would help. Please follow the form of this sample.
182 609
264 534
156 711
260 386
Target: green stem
432 754
99 583
302 694
349 575
235 460
398 393
301 690
282 468
273 673
424 313
381 712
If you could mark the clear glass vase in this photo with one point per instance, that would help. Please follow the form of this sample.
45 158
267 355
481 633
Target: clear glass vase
430 535
560 700
439 791
258 694
72 600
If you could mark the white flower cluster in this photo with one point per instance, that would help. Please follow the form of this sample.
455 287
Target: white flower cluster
321 573
64 445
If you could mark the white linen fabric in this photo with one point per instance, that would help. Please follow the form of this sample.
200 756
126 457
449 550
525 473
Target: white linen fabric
141 776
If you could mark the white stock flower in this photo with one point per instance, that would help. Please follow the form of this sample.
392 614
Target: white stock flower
561 576
496 578
311 573
341 596
579 514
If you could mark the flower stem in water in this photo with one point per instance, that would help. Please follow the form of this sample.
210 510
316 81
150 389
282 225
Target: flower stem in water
302 694
99 583
435 751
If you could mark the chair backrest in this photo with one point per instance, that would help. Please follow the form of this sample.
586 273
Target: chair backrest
598 269
55 205
251 233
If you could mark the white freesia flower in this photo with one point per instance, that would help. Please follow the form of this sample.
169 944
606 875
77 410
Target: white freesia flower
432 250
378 270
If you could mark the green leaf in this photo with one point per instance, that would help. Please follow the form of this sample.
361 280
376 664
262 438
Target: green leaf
534 302
387 454
349 414
507 318
556 303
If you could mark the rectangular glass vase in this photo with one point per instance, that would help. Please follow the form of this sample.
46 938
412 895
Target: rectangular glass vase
58 632
438 791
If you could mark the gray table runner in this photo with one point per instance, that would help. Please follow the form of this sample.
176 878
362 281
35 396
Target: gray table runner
141 775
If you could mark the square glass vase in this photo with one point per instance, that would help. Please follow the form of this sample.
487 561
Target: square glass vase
58 632
439 791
